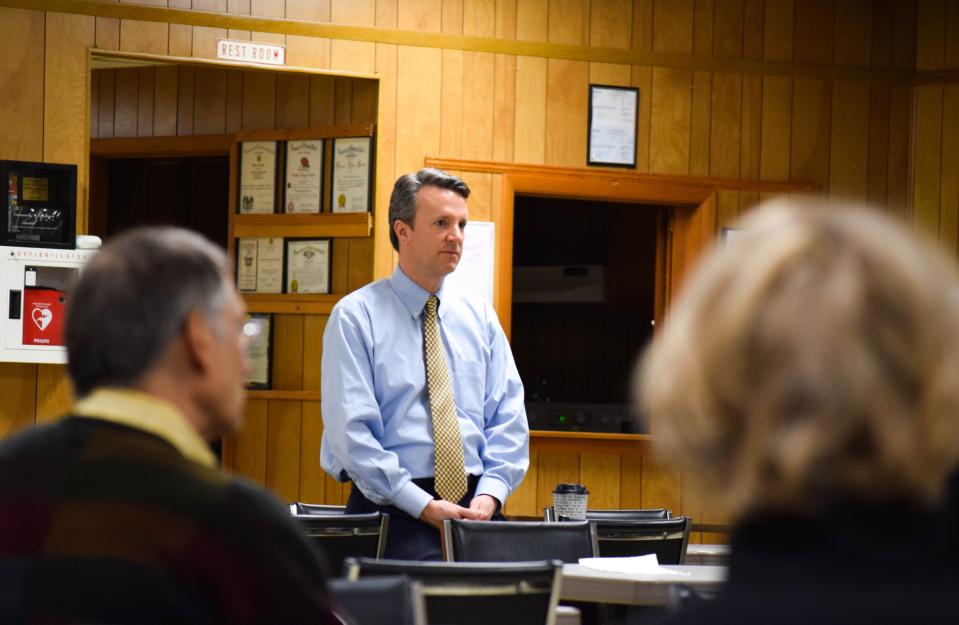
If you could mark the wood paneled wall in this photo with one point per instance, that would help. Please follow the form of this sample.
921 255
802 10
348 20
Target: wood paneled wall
852 136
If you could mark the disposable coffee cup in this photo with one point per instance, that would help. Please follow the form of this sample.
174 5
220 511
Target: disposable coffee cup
569 501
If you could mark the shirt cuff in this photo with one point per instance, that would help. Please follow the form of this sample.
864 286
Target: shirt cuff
494 487
412 499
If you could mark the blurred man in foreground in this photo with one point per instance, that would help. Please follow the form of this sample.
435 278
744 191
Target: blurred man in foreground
117 513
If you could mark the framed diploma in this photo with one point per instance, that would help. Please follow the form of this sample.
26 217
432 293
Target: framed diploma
259 332
613 115
257 177
351 175
308 265
304 176
259 266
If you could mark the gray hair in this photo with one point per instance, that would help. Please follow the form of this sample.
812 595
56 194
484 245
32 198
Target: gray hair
403 198
132 299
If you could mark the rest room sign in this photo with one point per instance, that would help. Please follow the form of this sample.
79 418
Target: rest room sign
43 311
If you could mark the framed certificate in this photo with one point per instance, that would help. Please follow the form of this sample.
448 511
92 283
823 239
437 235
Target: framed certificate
259 266
304 176
259 331
308 265
257 177
613 115
351 175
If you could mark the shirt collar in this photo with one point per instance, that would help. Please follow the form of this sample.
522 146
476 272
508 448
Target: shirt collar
149 414
414 296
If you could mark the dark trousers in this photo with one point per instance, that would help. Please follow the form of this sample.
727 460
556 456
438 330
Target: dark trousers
408 538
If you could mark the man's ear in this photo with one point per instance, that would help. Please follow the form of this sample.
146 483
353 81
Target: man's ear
198 341
401 229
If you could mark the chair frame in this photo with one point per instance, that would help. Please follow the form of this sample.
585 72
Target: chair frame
448 537
417 598
549 514
631 527
354 570
344 521
299 508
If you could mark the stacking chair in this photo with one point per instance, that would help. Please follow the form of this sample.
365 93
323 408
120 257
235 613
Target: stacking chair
344 535
504 593
299 508
512 541
378 600
667 538
642 514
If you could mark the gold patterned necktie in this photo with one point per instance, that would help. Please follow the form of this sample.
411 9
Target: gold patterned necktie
448 443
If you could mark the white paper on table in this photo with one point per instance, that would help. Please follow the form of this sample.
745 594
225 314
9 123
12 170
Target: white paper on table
636 564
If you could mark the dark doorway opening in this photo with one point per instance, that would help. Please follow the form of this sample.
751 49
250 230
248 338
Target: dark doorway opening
189 191
584 300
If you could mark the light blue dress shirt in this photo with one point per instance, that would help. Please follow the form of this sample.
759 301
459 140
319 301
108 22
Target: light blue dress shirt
377 427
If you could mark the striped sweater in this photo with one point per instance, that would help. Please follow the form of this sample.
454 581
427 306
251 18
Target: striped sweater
102 522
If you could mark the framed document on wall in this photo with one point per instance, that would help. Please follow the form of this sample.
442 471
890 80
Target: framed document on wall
308 265
612 125
257 177
303 192
259 332
259 265
351 176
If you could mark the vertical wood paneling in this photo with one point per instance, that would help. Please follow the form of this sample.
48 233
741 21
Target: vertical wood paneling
631 486
106 103
642 78
312 481
234 101
949 184
670 121
609 23
900 125
673 26
726 129
181 40
703 22
164 101
776 116
754 19
451 104
322 94
882 34
250 443
662 485
94 105
283 449
18 387
107 33
259 101
504 106
879 109
386 66
185 103
417 105
555 467
532 20
54 394
292 101
145 102
149 37
700 123
523 500
853 33
904 28
931 33
566 107
600 473
778 40
729 21
204 41
814 31
529 145
811 122
21 109
209 110
848 162
926 169
569 21
66 82
125 103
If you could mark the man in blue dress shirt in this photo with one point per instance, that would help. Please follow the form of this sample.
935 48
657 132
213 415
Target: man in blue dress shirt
378 428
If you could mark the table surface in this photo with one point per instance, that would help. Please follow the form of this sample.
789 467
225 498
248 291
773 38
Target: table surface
707 554
581 583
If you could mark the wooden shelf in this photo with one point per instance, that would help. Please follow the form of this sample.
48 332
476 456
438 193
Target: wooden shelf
318 225
292 395
291 303
595 442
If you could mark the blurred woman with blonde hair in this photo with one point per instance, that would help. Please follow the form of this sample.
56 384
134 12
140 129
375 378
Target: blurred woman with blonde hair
809 373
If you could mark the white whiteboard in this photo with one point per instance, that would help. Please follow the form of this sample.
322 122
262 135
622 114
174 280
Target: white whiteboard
475 270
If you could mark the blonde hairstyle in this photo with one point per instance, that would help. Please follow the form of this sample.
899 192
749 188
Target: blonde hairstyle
815 358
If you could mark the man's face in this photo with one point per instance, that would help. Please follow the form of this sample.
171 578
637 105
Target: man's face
230 367
434 244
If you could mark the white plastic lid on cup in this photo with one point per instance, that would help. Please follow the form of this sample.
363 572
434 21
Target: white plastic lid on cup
569 501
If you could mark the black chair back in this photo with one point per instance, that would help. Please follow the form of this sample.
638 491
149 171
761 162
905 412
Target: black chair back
299 508
393 599
642 514
667 538
341 536
504 593
512 541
